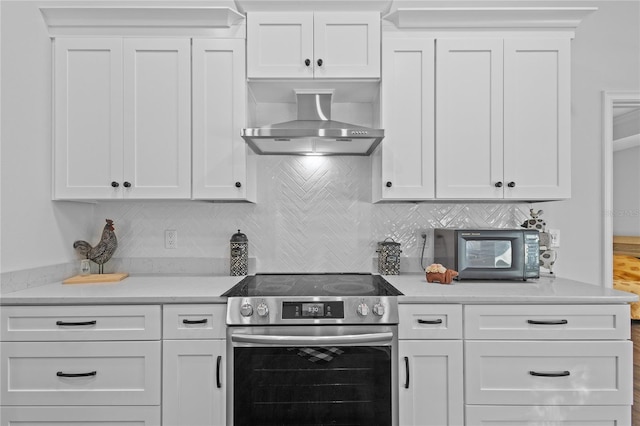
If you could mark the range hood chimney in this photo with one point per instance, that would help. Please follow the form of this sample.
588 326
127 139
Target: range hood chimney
313 133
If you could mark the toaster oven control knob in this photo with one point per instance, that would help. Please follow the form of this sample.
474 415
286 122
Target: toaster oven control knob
363 309
378 309
246 310
262 310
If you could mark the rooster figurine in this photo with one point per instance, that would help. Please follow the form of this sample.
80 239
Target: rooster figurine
103 251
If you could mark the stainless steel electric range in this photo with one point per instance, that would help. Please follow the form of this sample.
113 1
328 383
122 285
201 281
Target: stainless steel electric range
312 349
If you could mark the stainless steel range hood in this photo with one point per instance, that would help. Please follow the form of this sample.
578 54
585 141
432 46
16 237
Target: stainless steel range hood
313 133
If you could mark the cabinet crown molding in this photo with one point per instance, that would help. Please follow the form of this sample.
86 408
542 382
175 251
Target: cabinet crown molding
138 20
381 6
464 18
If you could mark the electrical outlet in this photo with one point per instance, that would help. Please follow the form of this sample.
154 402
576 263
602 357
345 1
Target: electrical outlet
422 236
555 237
170 239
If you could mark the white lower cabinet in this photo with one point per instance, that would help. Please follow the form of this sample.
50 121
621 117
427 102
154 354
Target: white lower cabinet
80 416
537 365
80 373
548 373
80 365
193 365
535 415
430 368
430 382
193 382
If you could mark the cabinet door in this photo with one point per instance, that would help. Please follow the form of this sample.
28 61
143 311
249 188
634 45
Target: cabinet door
346 45
72 323
537 118
540 415
406 162
88 118
157 118
85 416
469 105
278 44
548 372
193 382
431 380
219 96
80 373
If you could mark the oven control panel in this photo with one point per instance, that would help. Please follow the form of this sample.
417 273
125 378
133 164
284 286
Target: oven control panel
298 310
316 310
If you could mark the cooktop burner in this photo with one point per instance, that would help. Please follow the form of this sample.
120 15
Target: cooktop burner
340 284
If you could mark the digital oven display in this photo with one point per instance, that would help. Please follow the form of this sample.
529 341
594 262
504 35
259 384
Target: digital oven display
311 310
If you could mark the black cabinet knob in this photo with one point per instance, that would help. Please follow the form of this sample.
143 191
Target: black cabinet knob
127 184
238 184
498 184
388 184
320 62
511 184
115 184
307 62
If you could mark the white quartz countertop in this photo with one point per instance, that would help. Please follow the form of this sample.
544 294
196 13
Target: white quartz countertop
546 290
208 289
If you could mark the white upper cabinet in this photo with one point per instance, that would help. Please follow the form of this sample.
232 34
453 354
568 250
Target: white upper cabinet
313 45
222 166
403 166
157 118
122 118
469 118
88 118
537 118
503 118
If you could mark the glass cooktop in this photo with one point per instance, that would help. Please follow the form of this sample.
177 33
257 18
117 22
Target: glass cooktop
333 284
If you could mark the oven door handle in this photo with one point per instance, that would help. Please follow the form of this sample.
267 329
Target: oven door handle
313 340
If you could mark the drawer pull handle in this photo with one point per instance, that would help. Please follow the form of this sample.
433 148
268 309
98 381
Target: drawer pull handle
65 323
550 374
406 369
89 374
187 321
218 362
436 321
551 322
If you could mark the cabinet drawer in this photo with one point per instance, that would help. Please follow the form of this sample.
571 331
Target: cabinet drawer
430 322
543 416
194 321
48 323
85 416
548 322
548 373
112 373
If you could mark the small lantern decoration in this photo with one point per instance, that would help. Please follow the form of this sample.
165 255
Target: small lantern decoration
388 257
239 264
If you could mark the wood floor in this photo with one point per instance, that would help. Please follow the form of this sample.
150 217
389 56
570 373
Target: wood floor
635 336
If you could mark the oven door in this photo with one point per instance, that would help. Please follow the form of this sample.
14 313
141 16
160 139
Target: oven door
312 375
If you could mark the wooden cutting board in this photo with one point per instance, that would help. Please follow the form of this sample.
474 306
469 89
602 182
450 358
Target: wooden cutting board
96 278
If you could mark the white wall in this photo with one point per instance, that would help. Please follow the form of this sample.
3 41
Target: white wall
626 192
35 231
605 56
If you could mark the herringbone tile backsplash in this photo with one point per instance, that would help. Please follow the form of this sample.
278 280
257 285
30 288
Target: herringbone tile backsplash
314 214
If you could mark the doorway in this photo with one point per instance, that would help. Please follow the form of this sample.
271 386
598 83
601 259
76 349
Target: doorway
613 104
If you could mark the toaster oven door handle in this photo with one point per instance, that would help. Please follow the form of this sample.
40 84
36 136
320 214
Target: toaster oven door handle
313 340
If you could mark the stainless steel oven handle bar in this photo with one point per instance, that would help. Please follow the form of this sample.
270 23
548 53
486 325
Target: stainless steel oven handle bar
313 340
